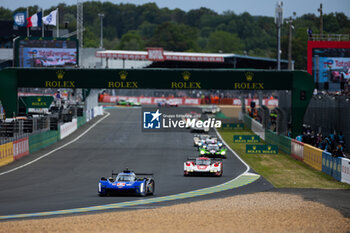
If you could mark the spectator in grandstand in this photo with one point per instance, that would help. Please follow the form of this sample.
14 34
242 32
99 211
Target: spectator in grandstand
299 138
338 151
319 140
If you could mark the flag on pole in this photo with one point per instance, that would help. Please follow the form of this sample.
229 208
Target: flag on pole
34 20
51 18
19 19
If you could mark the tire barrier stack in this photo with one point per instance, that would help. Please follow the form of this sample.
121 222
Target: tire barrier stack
337 167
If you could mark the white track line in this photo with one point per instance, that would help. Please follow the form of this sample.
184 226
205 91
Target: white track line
47 154
235 154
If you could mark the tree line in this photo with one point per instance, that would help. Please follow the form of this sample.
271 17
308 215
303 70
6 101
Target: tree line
136 27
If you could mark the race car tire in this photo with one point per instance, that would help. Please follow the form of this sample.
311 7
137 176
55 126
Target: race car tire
143 192
151 187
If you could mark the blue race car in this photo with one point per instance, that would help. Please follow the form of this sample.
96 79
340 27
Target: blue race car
127 182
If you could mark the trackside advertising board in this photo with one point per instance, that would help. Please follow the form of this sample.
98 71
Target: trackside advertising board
68 128
313 157
6 153
345 170
232 126
20 148
246 138
261 149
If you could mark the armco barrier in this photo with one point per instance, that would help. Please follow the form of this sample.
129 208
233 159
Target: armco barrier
297 150
68 128
247 121
42 140
20 148
258 129
331 165
313 157
345 170
283 142
6 153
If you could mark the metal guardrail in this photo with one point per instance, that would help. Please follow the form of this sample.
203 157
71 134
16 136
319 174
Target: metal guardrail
329 37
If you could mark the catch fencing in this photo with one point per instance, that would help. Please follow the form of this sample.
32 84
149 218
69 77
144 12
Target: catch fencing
19 145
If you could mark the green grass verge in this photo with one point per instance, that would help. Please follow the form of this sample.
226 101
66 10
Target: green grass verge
282 170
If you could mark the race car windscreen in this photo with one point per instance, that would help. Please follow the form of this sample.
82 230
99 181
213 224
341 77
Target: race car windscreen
202 162
125 178
213 147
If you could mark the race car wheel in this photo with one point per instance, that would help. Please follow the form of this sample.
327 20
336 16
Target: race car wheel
151 188
186 173
143 189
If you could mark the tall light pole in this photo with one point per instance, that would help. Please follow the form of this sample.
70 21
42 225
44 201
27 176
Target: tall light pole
101 15
278 21
291 27
321 20
80 20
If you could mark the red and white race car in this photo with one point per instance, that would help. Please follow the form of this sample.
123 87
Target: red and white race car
203 166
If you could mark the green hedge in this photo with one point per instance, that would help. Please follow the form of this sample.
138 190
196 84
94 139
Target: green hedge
42 140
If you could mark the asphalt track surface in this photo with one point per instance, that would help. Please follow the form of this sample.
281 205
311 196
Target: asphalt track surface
68 178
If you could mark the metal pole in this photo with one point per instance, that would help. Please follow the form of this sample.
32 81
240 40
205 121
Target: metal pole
101 15
42 23
291 27
290 45
58 23
278 21
27 23
278 47
321 20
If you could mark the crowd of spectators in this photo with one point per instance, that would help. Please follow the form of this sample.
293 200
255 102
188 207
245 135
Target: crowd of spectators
333 143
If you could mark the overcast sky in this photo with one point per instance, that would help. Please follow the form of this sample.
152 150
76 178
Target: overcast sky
254 7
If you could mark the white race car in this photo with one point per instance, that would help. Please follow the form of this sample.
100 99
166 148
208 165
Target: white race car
211 109
203 166
199 129
209 141
198 139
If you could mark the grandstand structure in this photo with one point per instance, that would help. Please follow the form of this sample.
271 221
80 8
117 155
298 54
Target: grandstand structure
158 58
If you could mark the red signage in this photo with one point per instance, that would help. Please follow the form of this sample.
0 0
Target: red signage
155 54
323 44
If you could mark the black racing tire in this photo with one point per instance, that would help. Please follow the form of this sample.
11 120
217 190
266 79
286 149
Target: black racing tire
144 193
152 185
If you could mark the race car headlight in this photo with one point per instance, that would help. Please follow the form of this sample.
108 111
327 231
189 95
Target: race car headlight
199 144
223 152
220 144
202 152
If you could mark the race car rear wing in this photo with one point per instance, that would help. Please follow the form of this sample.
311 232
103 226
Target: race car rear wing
137 174
144 174
212 159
